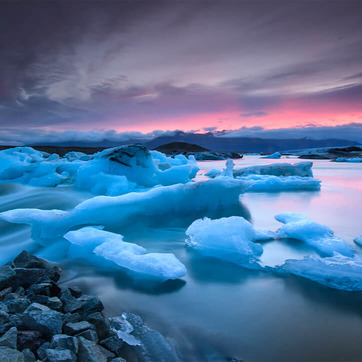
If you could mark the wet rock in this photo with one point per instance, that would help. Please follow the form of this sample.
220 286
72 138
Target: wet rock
108 354
89 334
70 304
100 324
41 318
89 351
28 355
41 352
26 277
60 355
50 289
118 359
10 338
4 317
113 344
90 304
75 328
20 291
54 303
62 341
7 276
71 318
29 340
3 308
17 305
10 355
75 291
5 292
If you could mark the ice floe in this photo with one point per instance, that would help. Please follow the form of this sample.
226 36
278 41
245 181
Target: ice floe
231 239
352 159
111 246
358 240
318 236
337 272
275 155
160 202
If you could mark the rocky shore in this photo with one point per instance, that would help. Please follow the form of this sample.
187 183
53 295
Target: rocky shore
40 321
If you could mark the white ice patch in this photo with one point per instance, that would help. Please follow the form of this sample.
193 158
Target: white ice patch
130 256
337 272
231 239
318 236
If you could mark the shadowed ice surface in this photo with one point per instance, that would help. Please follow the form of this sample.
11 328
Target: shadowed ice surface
219 309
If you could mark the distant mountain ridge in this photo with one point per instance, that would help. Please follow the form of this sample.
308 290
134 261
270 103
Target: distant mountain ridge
217 143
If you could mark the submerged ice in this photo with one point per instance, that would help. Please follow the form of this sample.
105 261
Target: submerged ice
337 272
232 239
318 236
133 257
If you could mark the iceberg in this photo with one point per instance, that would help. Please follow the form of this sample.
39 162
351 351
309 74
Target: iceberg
358 240
337 272
302 169
268 183
319 236
274 155
352 159
231 239
133 257
120 170
159 202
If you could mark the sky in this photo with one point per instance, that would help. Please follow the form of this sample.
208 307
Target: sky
118 68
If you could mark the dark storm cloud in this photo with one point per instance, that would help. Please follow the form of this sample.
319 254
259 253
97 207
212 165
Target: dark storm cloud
82 65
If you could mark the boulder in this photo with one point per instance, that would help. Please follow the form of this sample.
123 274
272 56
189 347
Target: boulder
89 334
113 344
75 328
17 305
60 355
89 351
41 318
63 341
9 339
28 356
29 340
7 277
10 355
41 352
100 324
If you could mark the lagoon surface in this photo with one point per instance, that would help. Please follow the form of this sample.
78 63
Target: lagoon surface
220 310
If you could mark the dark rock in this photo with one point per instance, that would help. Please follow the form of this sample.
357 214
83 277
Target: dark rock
113 344
17 305
10 355
3 308
41 318
16 321
28 355
5 292
62 341
7 277
75 328
90 304
20 291
26 277
41 352
29 340
60 355
10 338
36 298
118 359
54 303
100 324
89 334
4 317
89 351
75 291
26 260
71 318
70 304
108 354
50 289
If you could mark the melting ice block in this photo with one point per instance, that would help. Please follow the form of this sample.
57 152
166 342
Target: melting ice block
318 236
268 183
231 239
302 169
274 155
358 240
127 255
338 272
159 202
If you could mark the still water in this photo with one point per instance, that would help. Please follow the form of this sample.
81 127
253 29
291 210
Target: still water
220 310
